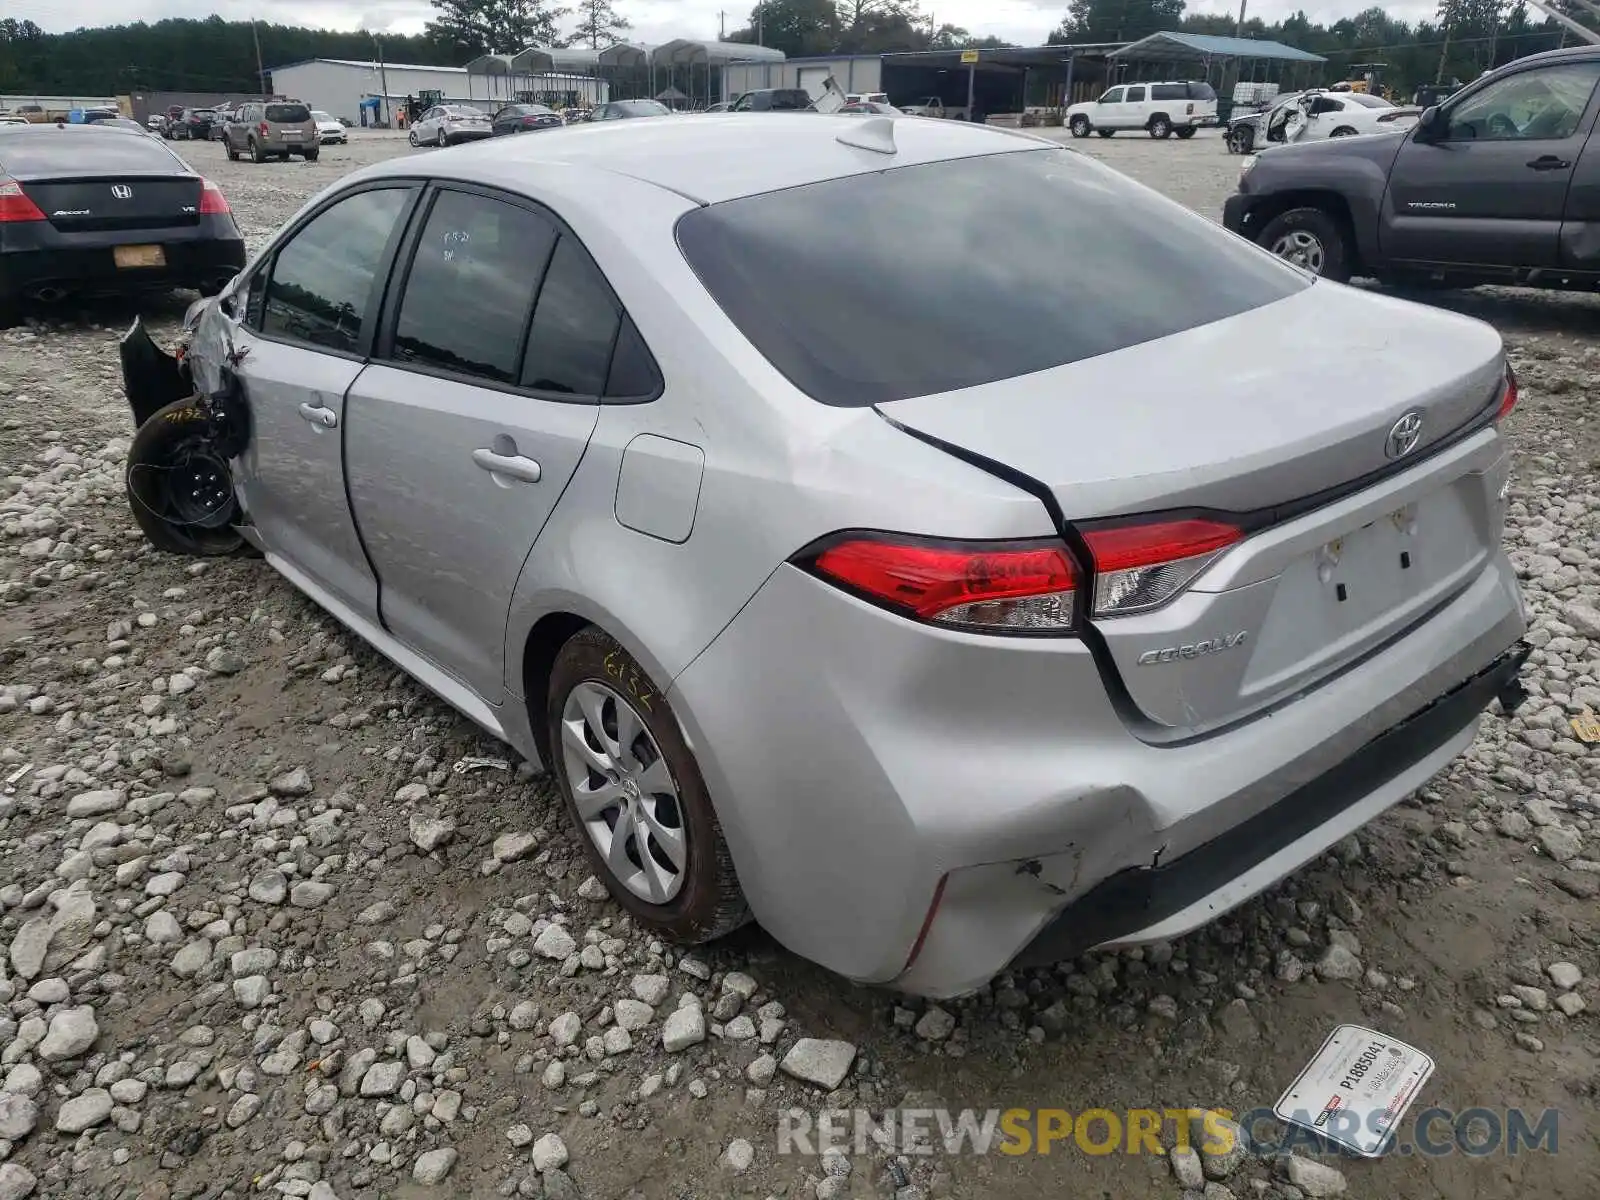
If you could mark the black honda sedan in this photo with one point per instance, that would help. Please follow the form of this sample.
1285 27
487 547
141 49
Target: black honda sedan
524 118
97 209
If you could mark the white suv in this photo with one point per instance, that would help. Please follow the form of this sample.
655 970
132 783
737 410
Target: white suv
1160 108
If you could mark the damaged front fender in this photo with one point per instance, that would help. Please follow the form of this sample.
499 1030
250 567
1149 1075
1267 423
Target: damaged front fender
151 377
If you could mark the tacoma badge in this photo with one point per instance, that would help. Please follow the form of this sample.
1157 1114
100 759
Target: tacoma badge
1193 649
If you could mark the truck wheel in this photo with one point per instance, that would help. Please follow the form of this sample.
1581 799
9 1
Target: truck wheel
179 487
1160 128
635 794
1187 132
255 152
1080 126
1106 132
1310 239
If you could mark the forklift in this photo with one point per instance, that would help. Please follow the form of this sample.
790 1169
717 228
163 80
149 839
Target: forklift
423 101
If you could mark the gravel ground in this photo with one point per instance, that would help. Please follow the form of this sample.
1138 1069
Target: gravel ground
258 936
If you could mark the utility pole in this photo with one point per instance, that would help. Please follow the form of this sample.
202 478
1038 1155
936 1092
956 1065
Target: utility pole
261 75
383 84
1238 30
722 27
760 17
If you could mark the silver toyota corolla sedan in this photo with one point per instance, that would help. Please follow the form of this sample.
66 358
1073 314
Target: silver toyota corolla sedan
963 584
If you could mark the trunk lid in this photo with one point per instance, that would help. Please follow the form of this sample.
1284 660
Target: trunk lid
122 202
1262 414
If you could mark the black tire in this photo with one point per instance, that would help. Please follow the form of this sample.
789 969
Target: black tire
709 903
169 454
1241 140
227 146
1300 228
444 139
1187 132
255 152
412 138
1160 128
1343 131
1080 126
1105 133
310 155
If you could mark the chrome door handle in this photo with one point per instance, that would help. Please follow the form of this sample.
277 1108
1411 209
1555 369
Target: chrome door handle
514 466
318 415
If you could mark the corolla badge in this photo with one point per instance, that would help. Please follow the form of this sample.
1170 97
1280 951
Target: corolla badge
1404 435
1200 649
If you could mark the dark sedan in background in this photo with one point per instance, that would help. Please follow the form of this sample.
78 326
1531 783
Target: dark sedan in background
98 209
195 125
523 118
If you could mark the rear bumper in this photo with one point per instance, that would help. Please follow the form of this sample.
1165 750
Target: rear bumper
86 263
863 765
1150 903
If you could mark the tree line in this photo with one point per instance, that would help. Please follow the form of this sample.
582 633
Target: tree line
1464 38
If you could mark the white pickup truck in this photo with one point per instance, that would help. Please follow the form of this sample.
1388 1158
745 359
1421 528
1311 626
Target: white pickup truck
935 107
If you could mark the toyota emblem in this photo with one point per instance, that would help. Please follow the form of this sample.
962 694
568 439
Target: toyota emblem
122 191
1404 435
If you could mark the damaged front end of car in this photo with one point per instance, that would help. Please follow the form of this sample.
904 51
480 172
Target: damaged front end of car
189 425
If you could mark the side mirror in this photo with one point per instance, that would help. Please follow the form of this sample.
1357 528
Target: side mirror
1431 125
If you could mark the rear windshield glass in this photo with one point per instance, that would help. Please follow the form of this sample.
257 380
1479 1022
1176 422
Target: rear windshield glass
643 108
77 149
1366 101
786 98
288 114
1201 91
949 275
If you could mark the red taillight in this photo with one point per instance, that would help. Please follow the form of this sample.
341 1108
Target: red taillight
1190 110
1141 566
263 129
1508 398
15 205
1001 587
211 198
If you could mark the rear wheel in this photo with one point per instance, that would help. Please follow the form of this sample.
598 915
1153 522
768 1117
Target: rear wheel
227 146
255 152
179 487
636 796
413 138
444 139
1106 132
311 155
1312 239
1187 132
1080 126
1160 128
1241 139
1343 131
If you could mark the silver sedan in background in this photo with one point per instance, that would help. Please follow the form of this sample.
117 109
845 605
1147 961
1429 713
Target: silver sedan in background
447 124
936 628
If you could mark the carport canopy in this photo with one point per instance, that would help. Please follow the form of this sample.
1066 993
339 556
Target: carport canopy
684 52
624 55
1187 47
490 64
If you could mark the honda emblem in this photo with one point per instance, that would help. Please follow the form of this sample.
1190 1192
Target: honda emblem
122 191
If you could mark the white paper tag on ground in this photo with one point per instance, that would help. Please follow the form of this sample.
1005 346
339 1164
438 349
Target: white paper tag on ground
1356 1089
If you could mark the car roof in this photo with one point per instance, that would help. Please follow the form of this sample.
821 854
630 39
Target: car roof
709 158
43 129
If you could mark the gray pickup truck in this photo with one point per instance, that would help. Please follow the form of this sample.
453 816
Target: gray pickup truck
1498 184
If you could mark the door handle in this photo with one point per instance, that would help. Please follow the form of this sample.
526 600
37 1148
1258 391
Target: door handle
514 466
1549 162
318 415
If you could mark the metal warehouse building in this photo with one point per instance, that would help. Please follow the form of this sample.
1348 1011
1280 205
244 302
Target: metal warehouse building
338 86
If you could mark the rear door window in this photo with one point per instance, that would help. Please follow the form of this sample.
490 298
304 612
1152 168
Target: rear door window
1135 95
473 277
574 326
1169 91
321 286
954 274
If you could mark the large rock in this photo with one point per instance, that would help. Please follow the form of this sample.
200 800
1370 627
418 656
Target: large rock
554 943
84 1112
1585 618
16 1181
549 1152
684 1028
18 1116
72 1032
822 1062
433 1166
97 803
1312 1178
429 833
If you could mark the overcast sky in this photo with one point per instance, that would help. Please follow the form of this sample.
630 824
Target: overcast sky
1026 22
